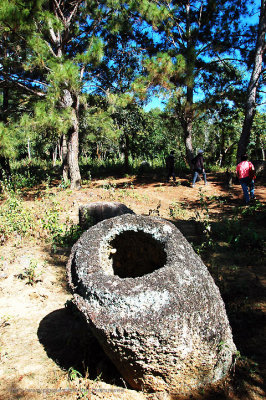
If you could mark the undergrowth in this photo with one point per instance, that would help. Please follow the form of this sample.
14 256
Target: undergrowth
240 231
15 218
30 274
19 220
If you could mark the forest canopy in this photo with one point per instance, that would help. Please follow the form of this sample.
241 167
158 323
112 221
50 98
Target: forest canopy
76 78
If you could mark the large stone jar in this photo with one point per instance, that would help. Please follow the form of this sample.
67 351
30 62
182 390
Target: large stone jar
152 304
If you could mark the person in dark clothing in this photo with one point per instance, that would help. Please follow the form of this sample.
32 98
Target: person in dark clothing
170 165
198 166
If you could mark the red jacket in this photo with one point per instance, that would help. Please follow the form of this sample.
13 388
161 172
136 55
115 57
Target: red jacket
245 169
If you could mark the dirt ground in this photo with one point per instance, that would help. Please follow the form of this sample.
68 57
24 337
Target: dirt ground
44 343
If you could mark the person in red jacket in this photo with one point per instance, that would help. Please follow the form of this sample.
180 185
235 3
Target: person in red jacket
246 174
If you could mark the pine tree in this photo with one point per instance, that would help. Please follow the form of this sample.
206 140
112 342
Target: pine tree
258 60
62 45
195 64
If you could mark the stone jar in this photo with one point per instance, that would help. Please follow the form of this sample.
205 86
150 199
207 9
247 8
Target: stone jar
152 304
93 213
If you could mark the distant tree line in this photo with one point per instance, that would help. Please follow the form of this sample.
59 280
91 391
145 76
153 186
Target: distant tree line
75 77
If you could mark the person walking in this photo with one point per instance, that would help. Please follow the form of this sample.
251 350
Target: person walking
170 165
246 174
198 167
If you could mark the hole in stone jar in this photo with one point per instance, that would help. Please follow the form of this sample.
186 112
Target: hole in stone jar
137 254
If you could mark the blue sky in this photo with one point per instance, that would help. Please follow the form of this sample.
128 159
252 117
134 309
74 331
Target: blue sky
155 102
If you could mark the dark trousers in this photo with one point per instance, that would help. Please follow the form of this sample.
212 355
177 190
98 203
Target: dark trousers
170 173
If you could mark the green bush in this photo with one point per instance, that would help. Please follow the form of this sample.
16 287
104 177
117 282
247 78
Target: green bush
14 217
42 221
69 236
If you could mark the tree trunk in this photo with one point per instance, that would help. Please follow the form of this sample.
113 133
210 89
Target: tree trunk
60 143
187 114
29 152
126 151
262 150
98 151
64 152
71 148
5 88
73 151
253 84
188 141
5 171
55 152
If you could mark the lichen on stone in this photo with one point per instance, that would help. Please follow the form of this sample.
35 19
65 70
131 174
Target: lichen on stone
152 304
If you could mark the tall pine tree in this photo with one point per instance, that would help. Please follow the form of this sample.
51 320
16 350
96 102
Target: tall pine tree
196 59
256 61
61 46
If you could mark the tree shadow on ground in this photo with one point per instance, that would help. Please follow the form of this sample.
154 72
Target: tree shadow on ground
68 341
236 262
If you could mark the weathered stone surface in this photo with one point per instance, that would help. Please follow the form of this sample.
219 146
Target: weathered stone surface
98 211
152 304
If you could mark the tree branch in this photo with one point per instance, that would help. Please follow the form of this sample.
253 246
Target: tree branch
74 11
58 8
24 86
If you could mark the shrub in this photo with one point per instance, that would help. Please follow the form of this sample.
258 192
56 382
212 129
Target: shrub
15 218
